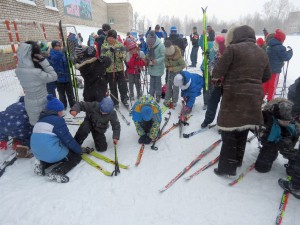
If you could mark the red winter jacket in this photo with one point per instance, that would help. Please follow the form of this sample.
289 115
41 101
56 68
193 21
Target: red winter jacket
134 64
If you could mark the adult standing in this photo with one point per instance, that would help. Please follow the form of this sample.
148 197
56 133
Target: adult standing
34 72
242 69
158 33
194 37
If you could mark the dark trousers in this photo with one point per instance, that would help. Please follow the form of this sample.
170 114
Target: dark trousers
51 88
212 105
194 55
117 81
98 134
232 150
66 90
206 93
65 165
296 175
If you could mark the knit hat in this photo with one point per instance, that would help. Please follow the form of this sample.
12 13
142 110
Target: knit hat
89 52
279 35
173 29
44 47
130 45
147 113
54 104
260 41
112 33
106 105
99 32
220 39
55 43
151 39
178 80
106 27
157 27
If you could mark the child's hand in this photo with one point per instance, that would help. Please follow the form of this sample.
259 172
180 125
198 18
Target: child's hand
73 113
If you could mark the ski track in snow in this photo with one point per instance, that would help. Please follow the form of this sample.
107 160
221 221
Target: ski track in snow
133 197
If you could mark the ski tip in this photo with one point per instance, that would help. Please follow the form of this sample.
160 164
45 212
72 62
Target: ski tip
162 190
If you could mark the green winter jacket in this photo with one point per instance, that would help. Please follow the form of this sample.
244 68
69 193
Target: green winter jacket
117 57
159 56
175 61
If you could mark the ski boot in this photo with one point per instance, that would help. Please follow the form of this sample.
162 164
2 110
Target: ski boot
58 177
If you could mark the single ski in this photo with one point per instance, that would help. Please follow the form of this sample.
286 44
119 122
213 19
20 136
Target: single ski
188 167
199 131
282 206
182 119
123 117
212 162
138 160
205 50
95 165
106 159
249 139
8 162
242 175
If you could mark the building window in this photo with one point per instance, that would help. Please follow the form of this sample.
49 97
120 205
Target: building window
29 2
51 3
111 21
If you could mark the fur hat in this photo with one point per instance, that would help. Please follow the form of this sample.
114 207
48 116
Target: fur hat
151 39
112 33
170 50
130 45
54 104
260 42
147 113
105 27
279 35
106 105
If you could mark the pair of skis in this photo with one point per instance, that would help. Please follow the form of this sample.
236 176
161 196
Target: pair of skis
105 159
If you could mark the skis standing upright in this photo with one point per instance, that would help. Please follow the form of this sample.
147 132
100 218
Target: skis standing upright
70 64
205 49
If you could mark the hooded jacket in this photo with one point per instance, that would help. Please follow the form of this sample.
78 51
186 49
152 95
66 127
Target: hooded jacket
117 57
243 67
58 61
33 81
175 61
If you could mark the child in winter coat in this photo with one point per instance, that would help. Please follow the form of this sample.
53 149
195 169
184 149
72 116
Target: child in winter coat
278 134
93 71
190 85
58 61
143 46
146 115
99 114
277 54
115 73
52 143
14 123
34 72
135 60
174 63
156 64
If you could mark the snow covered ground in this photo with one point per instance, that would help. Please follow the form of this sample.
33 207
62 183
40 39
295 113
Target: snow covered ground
133 197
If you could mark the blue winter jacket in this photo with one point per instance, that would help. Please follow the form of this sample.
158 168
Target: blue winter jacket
51 140
14 122
144 47
58 61
159 34
194 90
277 54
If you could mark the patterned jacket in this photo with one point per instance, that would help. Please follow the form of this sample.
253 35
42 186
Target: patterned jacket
137 117
117 57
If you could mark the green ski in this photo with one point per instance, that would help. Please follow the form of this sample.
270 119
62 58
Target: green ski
108 160
94 164
205 49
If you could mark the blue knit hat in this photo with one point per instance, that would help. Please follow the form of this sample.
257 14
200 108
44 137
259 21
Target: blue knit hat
54 104
106 105
147 113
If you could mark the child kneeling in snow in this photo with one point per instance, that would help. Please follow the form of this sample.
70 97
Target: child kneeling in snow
146 115
98 114
52 143
190 85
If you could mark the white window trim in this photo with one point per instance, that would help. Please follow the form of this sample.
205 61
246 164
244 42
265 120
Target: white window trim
51 8
27 2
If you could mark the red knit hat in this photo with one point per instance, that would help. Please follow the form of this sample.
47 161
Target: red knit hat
279 35
260 41
130 45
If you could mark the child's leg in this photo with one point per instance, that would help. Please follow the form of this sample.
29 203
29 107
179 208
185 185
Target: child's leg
137 81
100 140
71 160
169 88
273 82
131 82
62 93
157 87
83 131
152 83
70 94
174 88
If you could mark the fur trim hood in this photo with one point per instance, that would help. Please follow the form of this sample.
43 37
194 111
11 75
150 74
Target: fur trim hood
86 62
176 55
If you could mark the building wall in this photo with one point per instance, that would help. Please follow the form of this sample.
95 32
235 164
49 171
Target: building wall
293 22
122 15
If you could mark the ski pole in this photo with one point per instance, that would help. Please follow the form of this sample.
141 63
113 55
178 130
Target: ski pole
119 103
284 81
117 169
153 147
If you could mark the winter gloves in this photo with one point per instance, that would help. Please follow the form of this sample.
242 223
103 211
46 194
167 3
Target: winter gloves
145 139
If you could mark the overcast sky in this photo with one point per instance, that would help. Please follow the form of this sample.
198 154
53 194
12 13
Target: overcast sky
227 10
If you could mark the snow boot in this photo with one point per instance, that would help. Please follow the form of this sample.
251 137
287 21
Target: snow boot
39 168
287 186
222 174
58 177
204 124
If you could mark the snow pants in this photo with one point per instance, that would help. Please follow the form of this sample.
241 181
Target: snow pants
172 90
155 86
232 150
134 79
66 90
270 86
117 81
